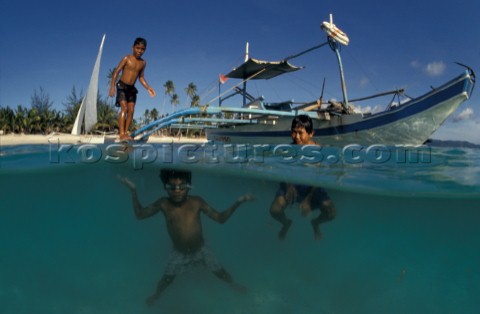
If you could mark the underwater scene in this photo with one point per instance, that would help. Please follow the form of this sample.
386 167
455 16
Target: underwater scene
404 237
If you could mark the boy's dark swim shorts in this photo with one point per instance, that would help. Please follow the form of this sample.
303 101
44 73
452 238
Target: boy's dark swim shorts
126 93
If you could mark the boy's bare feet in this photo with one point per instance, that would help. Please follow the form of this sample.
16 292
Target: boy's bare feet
283 232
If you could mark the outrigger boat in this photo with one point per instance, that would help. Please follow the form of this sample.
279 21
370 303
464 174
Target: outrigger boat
411 122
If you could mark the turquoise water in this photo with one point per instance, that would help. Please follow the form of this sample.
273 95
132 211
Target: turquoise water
405 239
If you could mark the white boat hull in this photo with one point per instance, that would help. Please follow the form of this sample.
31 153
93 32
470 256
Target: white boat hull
409 124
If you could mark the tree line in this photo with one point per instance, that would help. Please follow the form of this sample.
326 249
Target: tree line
41 118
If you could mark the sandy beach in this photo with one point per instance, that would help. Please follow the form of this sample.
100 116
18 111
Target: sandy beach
64 138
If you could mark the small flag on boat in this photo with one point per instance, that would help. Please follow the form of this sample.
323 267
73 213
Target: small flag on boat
222 78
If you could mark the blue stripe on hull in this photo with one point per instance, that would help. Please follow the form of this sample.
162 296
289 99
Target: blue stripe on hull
409 109
405 111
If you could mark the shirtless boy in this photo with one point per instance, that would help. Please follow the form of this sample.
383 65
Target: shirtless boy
310 198
132 68
184 225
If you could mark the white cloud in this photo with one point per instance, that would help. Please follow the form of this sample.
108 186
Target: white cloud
367 109
466 114
435 68
468 130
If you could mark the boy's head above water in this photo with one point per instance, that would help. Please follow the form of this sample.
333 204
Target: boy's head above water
302 130
140 41
139 47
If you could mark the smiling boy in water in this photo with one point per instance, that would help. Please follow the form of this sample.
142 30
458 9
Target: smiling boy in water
182 216
309 197
132 67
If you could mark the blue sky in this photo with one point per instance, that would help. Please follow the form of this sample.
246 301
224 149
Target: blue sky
408 44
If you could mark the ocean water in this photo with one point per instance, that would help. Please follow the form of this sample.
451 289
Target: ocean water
405 238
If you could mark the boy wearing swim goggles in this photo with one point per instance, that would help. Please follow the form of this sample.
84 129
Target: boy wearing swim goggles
182 216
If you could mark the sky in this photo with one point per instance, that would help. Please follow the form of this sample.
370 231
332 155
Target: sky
409 44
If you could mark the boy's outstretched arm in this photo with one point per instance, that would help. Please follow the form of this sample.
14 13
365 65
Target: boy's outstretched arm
115 74
140 211
221 217
141 79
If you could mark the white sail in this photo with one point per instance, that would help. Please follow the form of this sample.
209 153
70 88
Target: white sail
88 108
77 126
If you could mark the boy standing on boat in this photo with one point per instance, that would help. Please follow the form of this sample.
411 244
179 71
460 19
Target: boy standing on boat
182 216
132 67
309 197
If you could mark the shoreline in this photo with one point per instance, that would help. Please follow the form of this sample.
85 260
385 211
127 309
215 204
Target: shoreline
64 138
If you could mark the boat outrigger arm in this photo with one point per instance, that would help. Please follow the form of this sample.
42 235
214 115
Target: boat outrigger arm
179 117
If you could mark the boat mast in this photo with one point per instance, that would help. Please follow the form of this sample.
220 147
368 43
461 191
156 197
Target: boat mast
245 81
334 46
336 38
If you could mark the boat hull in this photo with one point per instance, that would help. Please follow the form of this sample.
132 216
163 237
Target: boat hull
411 123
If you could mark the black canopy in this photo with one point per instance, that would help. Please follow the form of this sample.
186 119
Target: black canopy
261 70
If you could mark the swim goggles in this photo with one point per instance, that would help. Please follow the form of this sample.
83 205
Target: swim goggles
173 187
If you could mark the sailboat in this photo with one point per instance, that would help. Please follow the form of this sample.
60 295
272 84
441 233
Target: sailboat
87 114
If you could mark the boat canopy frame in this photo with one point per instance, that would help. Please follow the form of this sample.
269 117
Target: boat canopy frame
254 69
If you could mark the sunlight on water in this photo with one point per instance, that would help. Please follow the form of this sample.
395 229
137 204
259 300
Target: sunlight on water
405 238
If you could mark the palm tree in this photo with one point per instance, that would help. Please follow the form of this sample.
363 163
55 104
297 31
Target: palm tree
146 117
169 90
106 116
154 114
110 76
48 121
195 101
134 125
56 123
7 119
34 121
20 119
190 90
174 100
